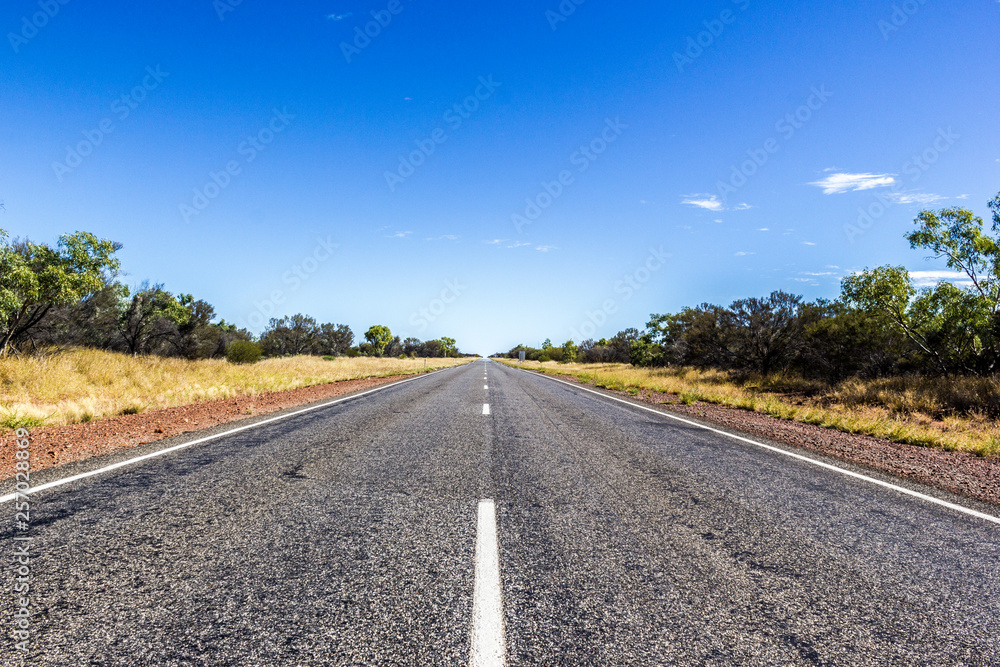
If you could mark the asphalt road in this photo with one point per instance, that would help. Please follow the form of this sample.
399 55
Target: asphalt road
347 535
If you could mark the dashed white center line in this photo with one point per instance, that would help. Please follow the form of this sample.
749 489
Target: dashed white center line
488 646
486 408
486 386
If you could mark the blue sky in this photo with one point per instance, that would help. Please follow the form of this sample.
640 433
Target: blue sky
266 158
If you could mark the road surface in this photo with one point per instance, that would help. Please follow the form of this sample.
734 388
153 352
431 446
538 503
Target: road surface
487 515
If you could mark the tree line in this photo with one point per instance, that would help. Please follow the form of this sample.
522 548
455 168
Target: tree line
881 324
68 295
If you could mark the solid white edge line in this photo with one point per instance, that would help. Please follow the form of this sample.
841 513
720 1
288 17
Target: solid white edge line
161 452
486 408
800 457
488 646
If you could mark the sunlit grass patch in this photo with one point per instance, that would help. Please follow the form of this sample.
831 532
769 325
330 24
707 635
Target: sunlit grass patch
82 385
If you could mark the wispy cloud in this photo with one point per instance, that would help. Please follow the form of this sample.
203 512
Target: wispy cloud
915 197
709 202
808 243
744 253
764 229
495 241
399 235
339 17
444 237
545 248
712 203
846 182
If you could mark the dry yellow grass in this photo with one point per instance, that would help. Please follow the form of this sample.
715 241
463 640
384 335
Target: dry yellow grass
946 413
80 385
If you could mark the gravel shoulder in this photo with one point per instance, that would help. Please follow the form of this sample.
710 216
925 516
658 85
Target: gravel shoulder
961 473
59 445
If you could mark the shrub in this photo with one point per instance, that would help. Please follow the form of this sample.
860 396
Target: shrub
243 352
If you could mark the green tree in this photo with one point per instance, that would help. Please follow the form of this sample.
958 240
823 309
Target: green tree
764 333
569 350
450 347
378 338
956 235
148 317
34 278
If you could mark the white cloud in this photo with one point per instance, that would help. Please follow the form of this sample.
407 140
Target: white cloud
399 235
710 202
808 243
915 197
818 273
443 237
966 196
764 229
546 248
742 207
518 244
495 241
744 253
339 17
845 182
931 278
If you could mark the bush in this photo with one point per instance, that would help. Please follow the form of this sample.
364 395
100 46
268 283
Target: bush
243 352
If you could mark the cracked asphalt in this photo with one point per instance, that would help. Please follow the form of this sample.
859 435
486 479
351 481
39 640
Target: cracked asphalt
347 536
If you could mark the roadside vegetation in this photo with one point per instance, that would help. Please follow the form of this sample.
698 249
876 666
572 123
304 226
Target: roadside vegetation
887 357
84 384
68 296
77 344
907 410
